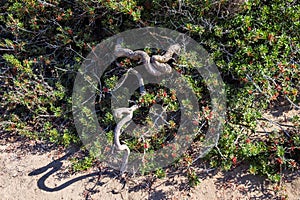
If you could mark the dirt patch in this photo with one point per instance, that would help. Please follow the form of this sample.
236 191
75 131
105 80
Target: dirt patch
36 170
27 175
279 117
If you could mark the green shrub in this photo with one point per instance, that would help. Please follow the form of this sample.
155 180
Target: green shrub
254 43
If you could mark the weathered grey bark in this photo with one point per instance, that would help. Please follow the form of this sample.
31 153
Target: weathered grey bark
156 65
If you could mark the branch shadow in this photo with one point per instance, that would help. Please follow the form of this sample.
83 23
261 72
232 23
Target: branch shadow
251 183
21 144
157 188
282 107
55 166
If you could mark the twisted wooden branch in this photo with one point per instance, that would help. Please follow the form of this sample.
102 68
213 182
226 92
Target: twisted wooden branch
156 65
118 113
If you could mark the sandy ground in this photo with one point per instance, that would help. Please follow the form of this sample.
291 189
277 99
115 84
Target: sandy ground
34 170
39 172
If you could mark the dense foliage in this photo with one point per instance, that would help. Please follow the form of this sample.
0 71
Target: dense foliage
254 43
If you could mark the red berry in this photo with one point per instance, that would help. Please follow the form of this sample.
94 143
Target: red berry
146 145
279 160
248 141
58 18
165 94
293 163
234 160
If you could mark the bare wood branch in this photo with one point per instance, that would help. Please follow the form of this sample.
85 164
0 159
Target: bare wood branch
156 65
